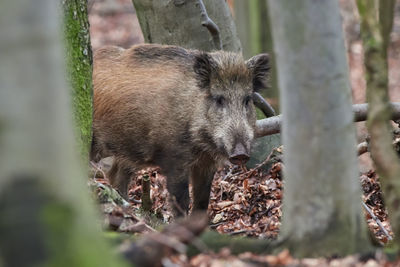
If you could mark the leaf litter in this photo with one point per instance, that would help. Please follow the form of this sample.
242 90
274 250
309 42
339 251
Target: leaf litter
243 202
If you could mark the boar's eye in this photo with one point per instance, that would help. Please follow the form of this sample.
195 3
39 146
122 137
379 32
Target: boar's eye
220 100
247 100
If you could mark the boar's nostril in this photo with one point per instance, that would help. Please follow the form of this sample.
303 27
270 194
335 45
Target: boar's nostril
239 155
239 159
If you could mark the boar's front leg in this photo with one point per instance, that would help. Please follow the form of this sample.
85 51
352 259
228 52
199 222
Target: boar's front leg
120 176
202 176
178 188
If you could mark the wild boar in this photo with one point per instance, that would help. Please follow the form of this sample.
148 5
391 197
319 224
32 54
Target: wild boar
185 111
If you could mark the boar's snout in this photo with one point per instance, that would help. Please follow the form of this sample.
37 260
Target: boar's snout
239 155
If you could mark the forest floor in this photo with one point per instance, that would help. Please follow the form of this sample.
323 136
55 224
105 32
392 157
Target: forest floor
243 203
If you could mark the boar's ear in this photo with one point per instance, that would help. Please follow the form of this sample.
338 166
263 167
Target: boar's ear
203 67
259 66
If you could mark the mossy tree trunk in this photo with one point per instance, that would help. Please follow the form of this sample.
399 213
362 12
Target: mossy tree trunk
47 218
375 33
322 212
79 66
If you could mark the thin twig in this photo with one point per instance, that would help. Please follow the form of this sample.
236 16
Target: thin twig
211 26
250 172
138 219
377 221
229 173
98 169
242 232
215 225
226 176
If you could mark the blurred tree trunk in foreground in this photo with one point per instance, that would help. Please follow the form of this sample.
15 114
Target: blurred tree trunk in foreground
46 216
322 200
178 22
79 67
375 33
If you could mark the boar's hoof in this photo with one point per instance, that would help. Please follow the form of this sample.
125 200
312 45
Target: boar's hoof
239 155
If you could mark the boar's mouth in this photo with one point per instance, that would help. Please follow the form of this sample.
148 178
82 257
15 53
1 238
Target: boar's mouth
239 155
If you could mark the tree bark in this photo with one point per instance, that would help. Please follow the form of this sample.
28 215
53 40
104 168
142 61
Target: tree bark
254 30
375 35
46 216
79 66
322 204
178 22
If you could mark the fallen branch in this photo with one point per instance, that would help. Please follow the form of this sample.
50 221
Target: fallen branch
211 26
360 111
153 247
268 126
377 221
263 105
272 125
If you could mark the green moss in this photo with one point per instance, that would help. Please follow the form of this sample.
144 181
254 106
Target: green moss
79 66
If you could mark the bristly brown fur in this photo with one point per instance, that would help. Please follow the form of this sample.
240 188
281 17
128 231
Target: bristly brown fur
183 110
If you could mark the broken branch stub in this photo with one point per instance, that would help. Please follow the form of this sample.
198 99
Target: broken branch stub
211 26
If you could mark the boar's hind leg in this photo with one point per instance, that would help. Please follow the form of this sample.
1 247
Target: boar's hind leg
202 177
178 188
120 176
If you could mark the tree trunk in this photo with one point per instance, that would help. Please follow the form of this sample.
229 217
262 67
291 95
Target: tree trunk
322 199
178 22
46 216
254 31
79 66
375 35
